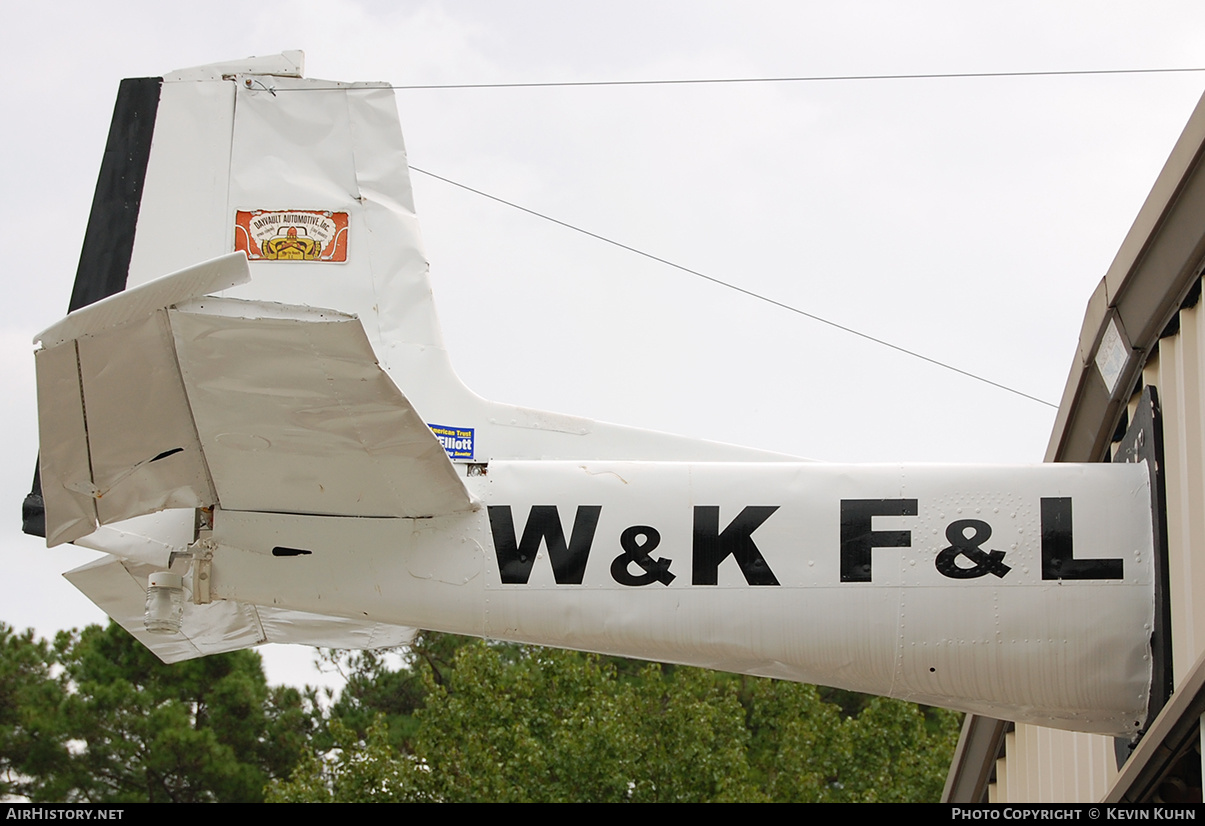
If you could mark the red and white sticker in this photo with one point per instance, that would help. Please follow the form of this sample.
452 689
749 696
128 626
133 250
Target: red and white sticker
291 234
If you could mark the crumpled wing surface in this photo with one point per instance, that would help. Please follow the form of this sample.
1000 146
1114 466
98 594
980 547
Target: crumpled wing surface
156 398
295 416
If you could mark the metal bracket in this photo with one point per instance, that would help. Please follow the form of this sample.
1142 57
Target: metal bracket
201 571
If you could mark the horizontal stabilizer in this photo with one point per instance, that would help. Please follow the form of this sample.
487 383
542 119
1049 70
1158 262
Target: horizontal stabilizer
295 416
160 398
140 302
118 587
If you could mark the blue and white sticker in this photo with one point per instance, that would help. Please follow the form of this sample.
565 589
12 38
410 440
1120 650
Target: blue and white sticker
457 441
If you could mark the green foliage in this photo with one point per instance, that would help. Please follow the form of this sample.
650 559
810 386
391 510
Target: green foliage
540 725
902 755
354 770
373 688
102 720
95 717
799 741
557 726
28 736
807 751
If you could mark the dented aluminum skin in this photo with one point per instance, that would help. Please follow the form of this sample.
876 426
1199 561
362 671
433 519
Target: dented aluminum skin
291 436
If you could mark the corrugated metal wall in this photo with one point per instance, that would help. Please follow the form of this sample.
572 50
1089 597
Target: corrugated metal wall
1042 764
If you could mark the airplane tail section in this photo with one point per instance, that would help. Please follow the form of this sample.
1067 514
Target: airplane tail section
226 385
309 180
275 427
162 404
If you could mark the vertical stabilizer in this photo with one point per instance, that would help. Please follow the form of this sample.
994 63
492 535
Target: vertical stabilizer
310 179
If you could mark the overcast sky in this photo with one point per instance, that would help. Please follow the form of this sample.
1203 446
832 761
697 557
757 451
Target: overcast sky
966 219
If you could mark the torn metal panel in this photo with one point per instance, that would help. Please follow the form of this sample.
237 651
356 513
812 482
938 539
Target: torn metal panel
115 425
288 404
297 417
144 450
63 458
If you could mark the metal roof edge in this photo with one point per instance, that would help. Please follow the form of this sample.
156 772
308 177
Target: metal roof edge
1153 269
974 759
